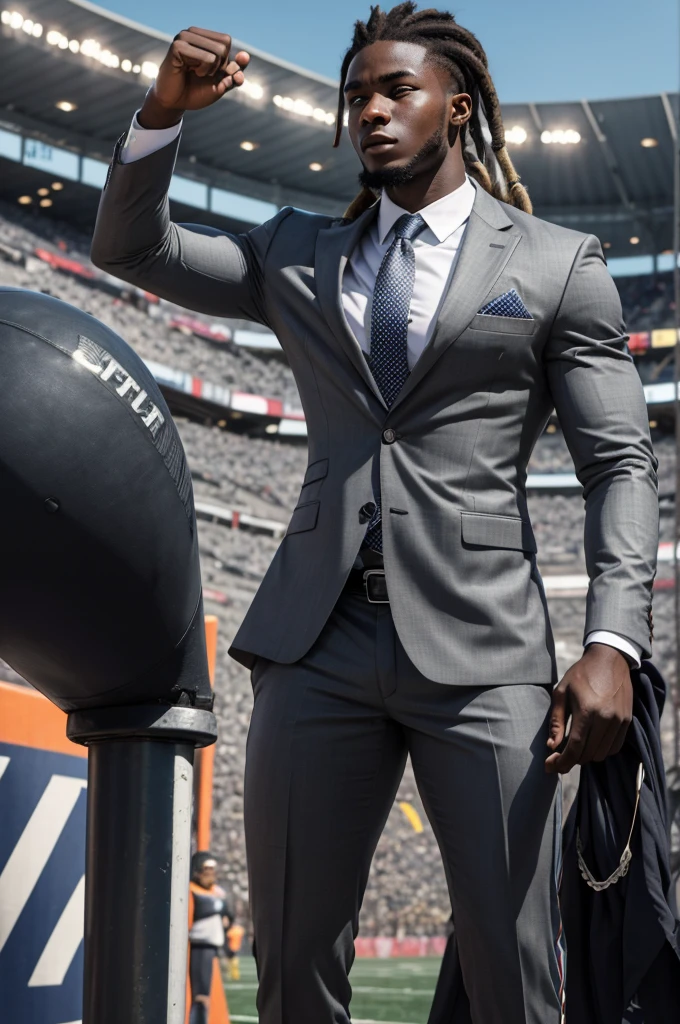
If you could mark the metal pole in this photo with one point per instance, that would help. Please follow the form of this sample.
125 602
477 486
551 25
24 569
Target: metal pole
140 790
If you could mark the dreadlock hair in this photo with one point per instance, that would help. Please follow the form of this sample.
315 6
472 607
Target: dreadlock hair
461 53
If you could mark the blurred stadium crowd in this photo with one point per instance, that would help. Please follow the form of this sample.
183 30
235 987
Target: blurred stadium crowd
407 891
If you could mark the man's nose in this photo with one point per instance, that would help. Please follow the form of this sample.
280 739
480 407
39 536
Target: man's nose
376 111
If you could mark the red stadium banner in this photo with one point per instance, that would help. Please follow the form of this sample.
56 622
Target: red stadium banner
639 341
383 947
62 263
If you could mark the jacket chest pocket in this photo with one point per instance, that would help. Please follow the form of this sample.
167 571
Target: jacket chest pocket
494 348
510 325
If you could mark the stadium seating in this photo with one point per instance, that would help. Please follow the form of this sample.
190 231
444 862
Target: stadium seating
407 891
148 334
648 302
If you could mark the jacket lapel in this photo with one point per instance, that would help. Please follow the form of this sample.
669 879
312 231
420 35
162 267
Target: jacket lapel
333 247
488 243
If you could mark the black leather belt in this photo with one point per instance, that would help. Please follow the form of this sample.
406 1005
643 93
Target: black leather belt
370 583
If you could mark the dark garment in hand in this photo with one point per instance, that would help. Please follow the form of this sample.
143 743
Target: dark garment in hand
623 943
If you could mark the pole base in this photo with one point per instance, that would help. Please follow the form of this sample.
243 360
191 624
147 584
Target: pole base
170 722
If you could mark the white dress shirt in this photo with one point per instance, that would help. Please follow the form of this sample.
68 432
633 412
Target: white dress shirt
436 250
142 142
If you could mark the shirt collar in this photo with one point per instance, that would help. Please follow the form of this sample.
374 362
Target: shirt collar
442 217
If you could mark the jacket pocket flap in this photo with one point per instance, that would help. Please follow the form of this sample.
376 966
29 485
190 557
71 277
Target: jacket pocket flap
317 471
304 517
497 531
502 324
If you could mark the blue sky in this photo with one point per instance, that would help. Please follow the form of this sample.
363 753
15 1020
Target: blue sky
538 50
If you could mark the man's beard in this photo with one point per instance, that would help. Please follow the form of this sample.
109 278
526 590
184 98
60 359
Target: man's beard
393 177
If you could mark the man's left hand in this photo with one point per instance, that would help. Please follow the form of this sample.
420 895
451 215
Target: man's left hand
598 694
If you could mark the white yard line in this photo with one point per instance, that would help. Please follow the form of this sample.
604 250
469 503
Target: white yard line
243 986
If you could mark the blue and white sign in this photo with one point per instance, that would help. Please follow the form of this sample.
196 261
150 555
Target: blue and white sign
60 162
42 885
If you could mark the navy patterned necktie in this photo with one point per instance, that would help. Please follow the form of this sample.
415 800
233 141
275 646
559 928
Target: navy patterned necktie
389 330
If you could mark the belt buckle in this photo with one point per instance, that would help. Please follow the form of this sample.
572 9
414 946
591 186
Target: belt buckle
368 575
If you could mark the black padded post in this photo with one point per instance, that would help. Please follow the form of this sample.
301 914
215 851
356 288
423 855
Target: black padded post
101 610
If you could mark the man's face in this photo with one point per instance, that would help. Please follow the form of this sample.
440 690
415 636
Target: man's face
400 106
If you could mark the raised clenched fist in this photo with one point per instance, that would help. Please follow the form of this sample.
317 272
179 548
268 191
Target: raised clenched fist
196 72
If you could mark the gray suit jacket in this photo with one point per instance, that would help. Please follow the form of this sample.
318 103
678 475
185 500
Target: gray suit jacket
460 554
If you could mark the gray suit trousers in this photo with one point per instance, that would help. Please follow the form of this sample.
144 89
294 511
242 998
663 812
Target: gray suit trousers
327 746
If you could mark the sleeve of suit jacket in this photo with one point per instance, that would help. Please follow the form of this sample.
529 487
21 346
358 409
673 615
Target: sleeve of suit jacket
601 407
196 266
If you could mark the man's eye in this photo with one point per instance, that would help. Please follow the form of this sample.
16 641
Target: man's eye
354 99
402 90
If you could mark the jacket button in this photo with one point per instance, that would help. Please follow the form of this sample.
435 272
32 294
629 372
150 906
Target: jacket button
367 510
389 435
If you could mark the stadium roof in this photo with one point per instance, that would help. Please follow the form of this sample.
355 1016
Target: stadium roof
585 163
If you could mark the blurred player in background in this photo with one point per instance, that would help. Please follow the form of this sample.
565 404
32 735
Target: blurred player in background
209 919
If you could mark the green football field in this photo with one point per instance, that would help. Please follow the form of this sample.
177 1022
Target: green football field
385 991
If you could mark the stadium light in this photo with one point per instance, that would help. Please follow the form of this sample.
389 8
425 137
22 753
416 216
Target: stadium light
148 69
304 109
516 135
249 146
252 89
66 106
634 240
45 202
57 186
17 21
649 143
25 200
561 136
93 49
13 19
43 191
315 166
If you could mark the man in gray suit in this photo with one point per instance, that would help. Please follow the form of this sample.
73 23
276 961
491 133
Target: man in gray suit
430 332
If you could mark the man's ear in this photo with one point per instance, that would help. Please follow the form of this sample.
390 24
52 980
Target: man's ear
460 109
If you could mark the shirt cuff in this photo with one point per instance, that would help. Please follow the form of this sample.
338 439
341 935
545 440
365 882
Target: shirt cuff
142 142
632 652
